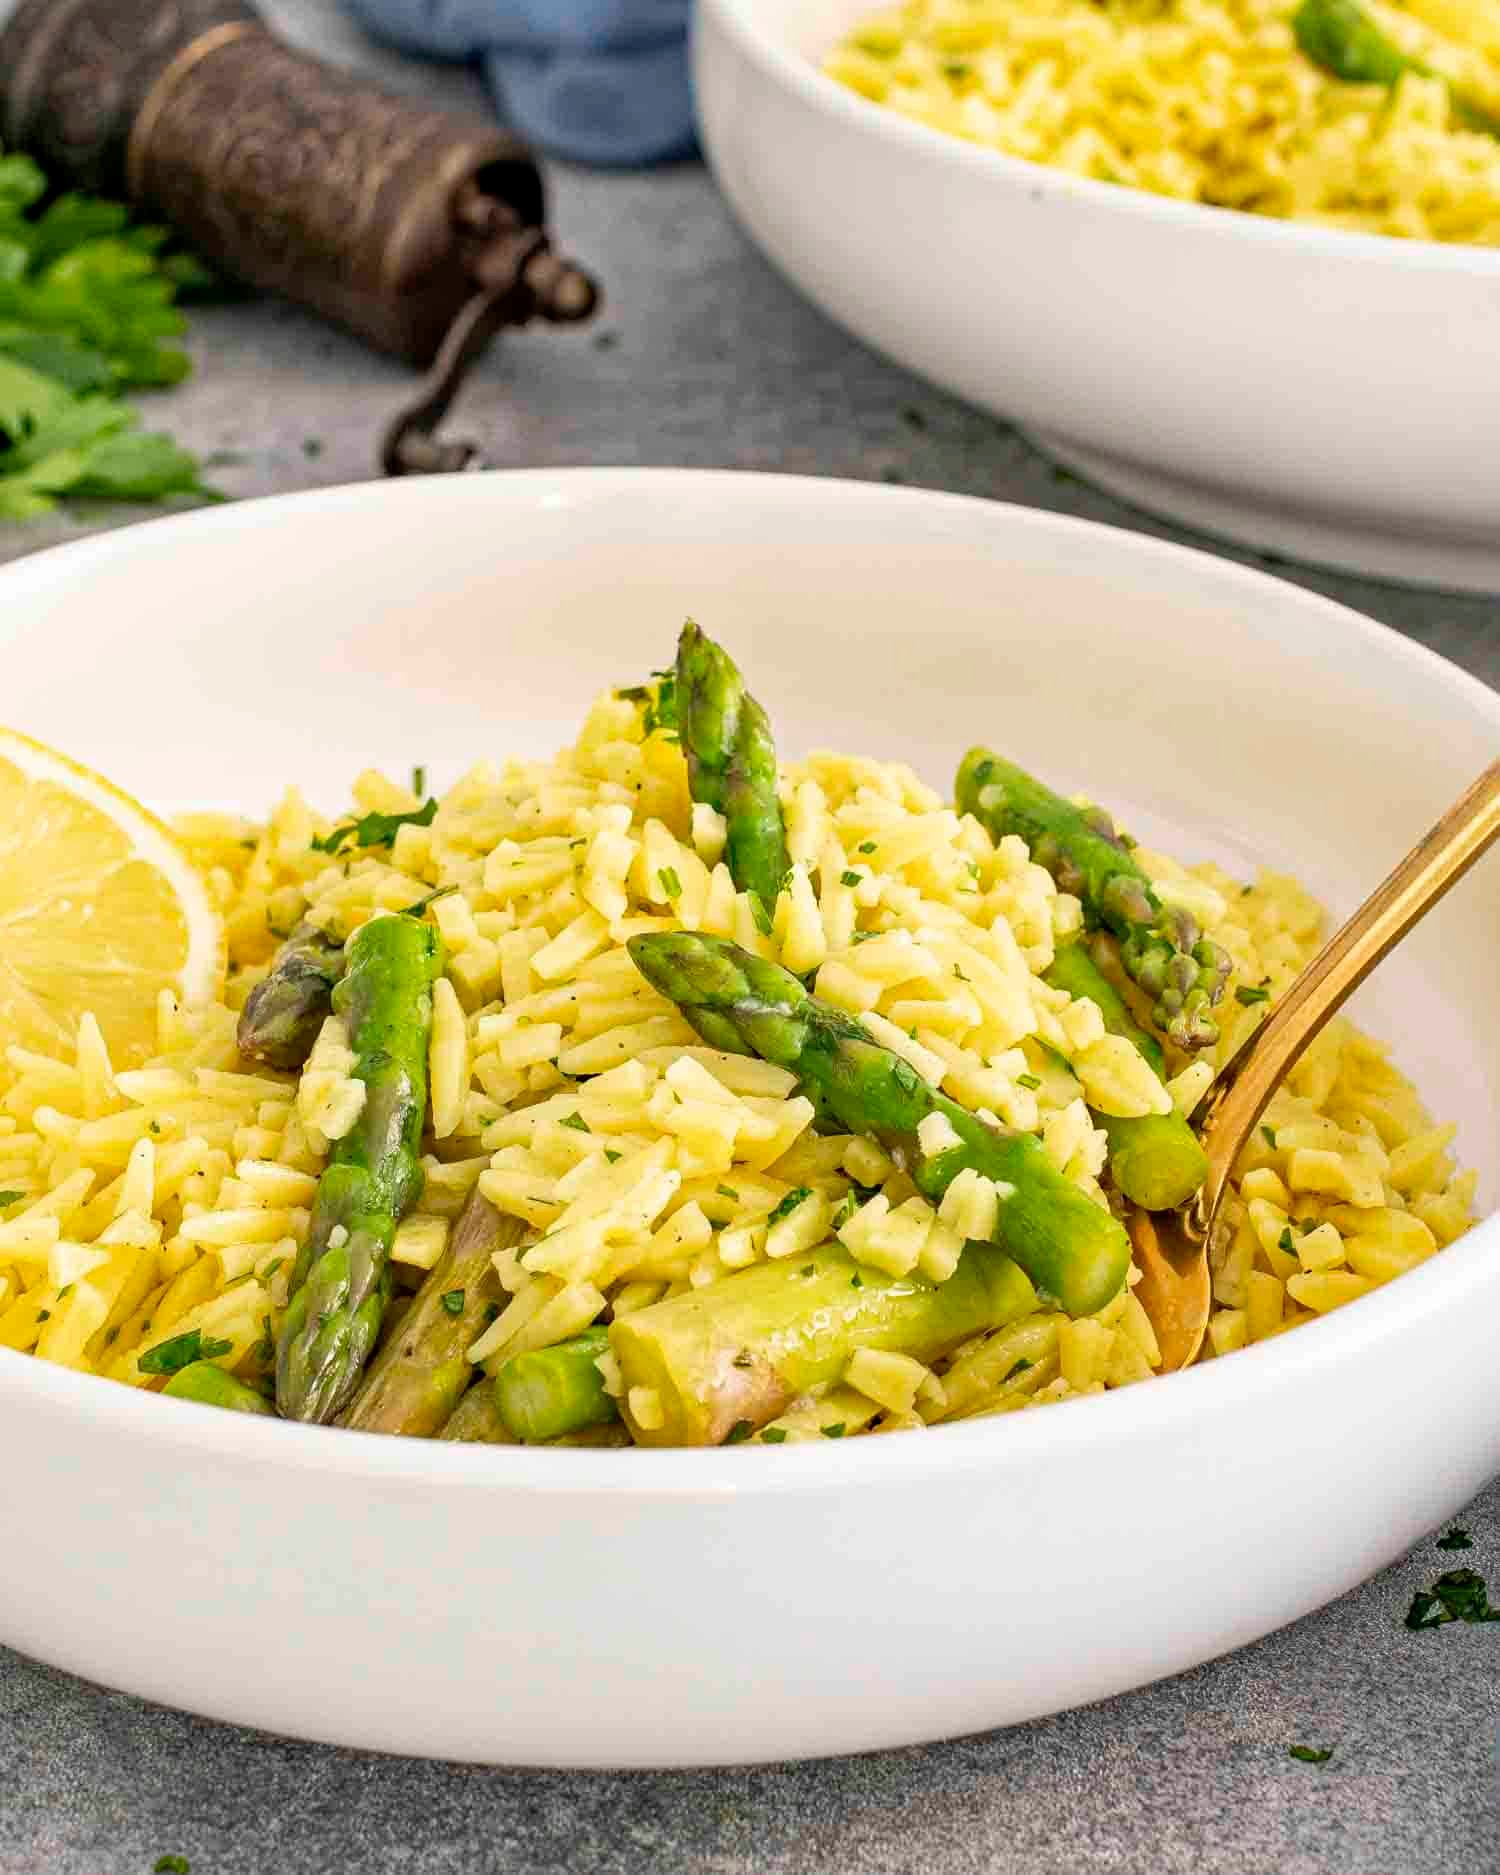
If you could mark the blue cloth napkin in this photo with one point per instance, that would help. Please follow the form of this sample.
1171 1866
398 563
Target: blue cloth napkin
600 81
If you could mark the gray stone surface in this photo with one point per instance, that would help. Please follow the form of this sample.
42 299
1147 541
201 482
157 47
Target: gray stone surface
706 357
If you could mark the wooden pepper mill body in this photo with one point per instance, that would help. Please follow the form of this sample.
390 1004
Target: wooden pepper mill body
278 170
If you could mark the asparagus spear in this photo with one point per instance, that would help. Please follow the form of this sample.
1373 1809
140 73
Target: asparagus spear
285 1010
1340 37
211 1386
419 1376
476 1419
552 1391
736 1353
1066 1243
341 1280
731 760
1156 1159
1161 947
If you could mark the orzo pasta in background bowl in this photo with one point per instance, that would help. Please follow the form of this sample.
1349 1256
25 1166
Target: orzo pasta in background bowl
511 1604
1298 386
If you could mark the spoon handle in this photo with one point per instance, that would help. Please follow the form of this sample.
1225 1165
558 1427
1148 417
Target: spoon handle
1439 860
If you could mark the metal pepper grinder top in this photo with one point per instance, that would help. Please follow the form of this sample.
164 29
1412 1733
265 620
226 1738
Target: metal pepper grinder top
419 230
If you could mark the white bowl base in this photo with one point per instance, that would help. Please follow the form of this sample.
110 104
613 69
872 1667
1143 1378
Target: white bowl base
1375 552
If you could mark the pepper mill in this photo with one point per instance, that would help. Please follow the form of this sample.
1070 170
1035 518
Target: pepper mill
421 231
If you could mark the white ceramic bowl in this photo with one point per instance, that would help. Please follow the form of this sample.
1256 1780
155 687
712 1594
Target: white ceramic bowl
1331 395
657 1608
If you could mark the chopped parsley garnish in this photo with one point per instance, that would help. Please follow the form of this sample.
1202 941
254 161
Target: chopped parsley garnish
856 1281
773 1435
671 885
759 913
728 1191
658 700
848 1205
738 1432
956 68
10 1197
1019 1368
1248 996
867 846
809 1269
416 910
1457 1595
65 1292
743 1359
661 709
1268 1133
1284 1241
453 1301
171 1865
264 1351
44 1315
849 878
1309 1754
271 1268
1456 1538
576 1121
419 780
491 1313
835 1431
1033 1081
612 1156
374 829
170 1357
788 1204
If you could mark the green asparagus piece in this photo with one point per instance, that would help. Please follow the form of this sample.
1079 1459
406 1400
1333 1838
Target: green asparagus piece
552 1391
1156 1159
211 1386
726 1359
1339 37
1161 947
419 1376
476 1419
341 1280
285 1010
731 760
1067 1244
1074 971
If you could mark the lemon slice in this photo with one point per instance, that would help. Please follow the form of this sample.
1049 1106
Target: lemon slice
100 909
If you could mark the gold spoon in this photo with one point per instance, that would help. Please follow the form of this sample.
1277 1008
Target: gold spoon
1171 1247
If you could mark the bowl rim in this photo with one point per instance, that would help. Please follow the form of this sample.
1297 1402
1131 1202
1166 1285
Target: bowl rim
1457 1277
795 72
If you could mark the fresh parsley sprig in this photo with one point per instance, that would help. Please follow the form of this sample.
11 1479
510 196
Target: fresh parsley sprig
87 310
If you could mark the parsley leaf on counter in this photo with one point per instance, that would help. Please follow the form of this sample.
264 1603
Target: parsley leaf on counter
1309 1754
87 309
1456 1538
1457 1595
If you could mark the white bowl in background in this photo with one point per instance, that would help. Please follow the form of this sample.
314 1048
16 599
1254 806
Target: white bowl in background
1334 396
669 1608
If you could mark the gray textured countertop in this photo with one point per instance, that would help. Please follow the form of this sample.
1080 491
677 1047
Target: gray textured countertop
705 357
